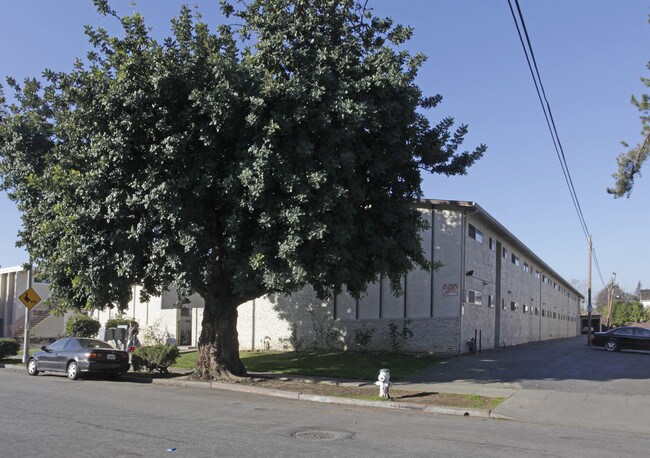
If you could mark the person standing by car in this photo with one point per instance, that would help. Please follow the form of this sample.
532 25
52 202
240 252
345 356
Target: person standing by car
133 342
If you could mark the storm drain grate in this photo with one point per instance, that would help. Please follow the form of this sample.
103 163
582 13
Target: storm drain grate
315 435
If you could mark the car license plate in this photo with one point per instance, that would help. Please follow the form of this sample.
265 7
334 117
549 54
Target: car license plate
110 356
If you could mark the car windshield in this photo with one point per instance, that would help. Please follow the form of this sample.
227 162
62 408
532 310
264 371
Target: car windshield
93 343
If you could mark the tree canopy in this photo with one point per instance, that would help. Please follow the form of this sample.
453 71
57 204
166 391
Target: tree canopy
628 312
630 162
251 159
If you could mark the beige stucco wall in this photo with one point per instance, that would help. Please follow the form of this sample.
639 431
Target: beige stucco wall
527 323
435 306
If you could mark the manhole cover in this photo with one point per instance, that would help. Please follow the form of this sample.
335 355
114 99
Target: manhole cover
315 435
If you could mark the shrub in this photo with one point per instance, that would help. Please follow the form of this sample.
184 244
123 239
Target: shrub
399 337
82 326
362 337
154 357
156 334
118 320
8 347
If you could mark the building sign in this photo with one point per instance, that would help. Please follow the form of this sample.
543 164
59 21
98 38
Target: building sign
450 289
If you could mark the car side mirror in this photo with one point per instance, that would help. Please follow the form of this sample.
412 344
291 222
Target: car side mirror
44 348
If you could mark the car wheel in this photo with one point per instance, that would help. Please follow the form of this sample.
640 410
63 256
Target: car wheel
73 371
611 345
32 367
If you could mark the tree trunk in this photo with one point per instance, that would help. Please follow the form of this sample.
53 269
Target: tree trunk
219 341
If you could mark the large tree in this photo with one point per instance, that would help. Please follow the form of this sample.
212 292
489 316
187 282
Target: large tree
259 158
631 161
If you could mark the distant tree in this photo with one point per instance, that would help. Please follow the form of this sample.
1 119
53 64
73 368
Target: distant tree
630 162
583 287
601 300
628 312
228 172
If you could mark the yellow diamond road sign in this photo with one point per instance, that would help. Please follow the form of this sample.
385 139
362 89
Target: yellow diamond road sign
30 298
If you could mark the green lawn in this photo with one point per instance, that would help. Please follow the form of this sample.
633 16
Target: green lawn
363 366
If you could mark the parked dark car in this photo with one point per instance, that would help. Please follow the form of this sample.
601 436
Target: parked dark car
77 355
625 337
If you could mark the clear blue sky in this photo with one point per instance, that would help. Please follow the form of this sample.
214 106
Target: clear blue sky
591 56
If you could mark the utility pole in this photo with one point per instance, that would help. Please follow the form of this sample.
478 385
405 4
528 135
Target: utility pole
610 299
589 309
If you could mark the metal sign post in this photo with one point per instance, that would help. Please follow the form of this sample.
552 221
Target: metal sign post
29 298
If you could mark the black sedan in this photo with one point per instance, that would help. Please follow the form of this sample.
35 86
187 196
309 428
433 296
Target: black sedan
76 355
625 337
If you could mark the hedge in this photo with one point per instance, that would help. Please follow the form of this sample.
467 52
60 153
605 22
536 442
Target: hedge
154 357
8 347
82 326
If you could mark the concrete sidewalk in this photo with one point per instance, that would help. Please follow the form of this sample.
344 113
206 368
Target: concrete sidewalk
585 410
614 412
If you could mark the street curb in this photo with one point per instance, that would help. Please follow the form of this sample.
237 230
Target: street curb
298 396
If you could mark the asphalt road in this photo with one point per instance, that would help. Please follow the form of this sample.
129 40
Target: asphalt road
564 365
52 416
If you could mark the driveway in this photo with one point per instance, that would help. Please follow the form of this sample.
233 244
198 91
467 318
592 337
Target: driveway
567 365
559 382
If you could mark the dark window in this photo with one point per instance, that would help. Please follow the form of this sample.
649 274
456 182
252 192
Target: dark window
476 234
515 259
58 345
72 345
474 297
513 306
94 343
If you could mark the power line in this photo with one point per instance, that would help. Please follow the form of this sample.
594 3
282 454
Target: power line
550 121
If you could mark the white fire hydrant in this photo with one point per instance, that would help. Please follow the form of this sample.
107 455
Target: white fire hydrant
384 383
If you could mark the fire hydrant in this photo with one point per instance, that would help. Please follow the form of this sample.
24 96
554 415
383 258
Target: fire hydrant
384 383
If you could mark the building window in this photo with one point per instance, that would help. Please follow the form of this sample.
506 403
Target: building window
503 304
492 244
536 311
525 308
537 274
515 259
526 267
543 312
490 301
476 234
513 306
474 297
505 253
